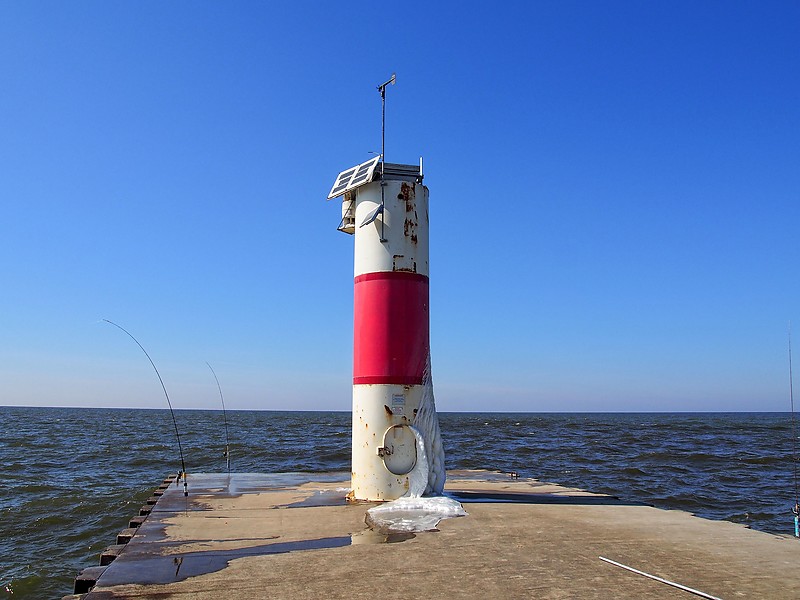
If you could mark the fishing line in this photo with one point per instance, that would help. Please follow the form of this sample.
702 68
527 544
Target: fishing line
225 419
660 579
796 509
171 412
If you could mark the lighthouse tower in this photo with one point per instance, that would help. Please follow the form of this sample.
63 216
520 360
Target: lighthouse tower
396 444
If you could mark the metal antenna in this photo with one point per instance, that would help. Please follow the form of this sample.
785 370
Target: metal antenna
382 90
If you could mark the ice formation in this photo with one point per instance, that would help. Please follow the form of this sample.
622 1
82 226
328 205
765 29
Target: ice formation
423 506
410 515
429 441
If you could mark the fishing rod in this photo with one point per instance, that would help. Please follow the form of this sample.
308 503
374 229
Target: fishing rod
171 412
227 454
796 509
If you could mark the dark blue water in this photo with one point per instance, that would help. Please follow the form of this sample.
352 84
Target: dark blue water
73 477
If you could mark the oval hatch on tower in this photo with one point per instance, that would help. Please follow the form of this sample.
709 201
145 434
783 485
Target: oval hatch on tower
400 446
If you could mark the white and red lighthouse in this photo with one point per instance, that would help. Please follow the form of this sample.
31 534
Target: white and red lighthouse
396 447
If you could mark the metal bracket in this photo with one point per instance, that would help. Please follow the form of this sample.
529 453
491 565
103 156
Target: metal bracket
378 211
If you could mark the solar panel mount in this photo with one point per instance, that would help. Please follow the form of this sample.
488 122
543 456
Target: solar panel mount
354 177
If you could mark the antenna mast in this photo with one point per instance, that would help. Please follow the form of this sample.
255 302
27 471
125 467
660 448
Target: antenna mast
382 90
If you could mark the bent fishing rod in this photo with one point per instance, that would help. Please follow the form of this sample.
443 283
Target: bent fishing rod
227 454
796 508
169 404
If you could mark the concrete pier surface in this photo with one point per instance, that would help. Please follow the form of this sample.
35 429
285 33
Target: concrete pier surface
295 536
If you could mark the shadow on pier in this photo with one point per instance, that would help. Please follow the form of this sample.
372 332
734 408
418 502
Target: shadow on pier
528 498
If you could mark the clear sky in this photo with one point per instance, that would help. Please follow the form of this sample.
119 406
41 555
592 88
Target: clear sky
614 188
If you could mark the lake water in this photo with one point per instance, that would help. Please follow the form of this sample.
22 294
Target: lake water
73 477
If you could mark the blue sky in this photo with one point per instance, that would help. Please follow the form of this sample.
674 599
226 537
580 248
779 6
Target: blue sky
614 199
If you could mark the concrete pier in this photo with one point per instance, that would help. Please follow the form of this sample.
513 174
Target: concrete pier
295 536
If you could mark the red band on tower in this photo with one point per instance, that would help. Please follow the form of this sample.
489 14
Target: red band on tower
392 328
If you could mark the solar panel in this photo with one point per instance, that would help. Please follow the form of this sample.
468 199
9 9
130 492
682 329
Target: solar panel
354 177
